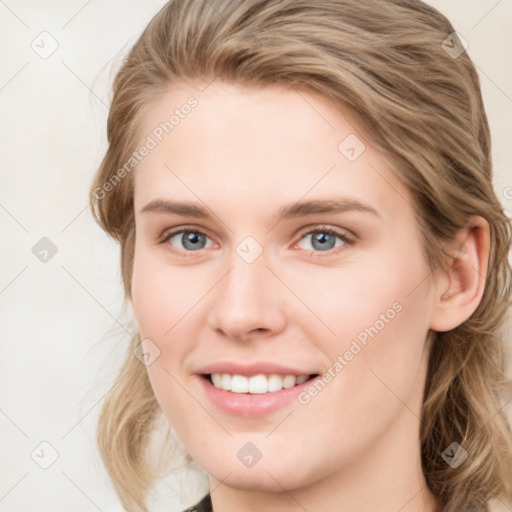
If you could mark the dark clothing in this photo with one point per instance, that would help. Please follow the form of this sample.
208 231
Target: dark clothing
205 505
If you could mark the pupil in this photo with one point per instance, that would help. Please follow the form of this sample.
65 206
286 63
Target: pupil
190 241
323 240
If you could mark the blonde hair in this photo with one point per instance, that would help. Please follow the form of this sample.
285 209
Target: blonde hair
422 107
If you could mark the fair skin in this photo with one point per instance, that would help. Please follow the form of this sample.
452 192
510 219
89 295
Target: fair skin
242 154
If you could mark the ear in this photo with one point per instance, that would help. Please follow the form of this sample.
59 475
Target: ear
459 289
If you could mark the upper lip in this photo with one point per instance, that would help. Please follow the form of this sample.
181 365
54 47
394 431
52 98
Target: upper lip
254 368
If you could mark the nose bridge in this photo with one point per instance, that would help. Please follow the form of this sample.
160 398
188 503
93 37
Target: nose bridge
246 298
244 289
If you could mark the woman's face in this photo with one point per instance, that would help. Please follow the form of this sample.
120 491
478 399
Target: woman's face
302 256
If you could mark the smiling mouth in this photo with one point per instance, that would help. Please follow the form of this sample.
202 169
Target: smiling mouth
256 384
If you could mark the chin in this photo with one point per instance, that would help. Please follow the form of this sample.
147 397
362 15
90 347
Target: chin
247 480
270 476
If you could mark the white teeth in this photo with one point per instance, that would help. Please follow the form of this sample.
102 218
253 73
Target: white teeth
289 381
239 384
217 379
257 384
275 383
302 378
225 382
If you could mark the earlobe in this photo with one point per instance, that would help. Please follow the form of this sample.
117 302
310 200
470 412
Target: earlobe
460 288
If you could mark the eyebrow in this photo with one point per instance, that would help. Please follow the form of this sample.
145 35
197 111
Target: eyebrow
294 210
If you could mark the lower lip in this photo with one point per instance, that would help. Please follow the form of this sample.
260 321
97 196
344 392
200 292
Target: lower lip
252 405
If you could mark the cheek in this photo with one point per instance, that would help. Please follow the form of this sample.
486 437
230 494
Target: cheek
163 300
162 294
147 305
364 293
374 322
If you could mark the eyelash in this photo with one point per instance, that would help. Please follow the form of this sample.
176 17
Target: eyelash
318 229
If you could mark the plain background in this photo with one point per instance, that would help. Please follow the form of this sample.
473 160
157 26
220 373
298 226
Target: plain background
62 325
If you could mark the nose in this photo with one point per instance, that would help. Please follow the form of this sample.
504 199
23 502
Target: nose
248 301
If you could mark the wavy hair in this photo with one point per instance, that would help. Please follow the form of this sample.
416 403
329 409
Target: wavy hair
421 105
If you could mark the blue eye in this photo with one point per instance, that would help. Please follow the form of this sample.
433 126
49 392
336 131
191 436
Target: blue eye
192 240
325 239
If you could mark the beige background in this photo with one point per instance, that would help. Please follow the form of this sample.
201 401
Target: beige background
61 321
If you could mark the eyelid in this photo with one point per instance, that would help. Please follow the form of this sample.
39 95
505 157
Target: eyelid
181 229
344 235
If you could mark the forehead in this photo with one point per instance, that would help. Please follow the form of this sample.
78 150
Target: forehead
272 144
